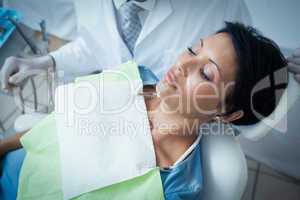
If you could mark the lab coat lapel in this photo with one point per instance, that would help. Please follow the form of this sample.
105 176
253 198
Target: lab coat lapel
112 24
160 13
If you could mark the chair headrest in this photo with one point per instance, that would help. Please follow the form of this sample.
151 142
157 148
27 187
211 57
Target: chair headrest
224 168
262 128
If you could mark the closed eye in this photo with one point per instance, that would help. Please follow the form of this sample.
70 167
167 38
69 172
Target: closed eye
202 73
191 51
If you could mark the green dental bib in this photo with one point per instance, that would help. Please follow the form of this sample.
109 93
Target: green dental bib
40 176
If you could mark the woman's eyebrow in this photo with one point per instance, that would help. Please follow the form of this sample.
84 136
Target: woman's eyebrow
210 60
217 66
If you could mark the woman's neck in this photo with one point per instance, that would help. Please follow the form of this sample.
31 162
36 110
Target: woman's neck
172 134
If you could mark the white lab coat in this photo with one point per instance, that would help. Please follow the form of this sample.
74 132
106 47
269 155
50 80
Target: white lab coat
170 27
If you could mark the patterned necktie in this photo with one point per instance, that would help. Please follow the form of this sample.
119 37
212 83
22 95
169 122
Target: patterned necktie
130 23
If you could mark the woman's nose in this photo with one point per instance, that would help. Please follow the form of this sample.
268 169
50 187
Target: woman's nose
186 65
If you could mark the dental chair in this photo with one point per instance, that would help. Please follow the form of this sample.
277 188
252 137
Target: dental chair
224 165
224 168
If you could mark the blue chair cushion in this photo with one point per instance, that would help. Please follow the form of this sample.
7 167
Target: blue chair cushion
11 167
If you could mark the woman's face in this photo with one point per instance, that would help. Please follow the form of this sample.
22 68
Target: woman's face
201 77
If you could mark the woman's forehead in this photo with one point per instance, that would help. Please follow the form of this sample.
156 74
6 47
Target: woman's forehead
220 48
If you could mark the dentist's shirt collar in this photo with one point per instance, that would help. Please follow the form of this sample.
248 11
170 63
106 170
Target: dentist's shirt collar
147 5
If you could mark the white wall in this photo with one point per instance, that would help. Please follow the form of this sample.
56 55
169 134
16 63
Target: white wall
277 19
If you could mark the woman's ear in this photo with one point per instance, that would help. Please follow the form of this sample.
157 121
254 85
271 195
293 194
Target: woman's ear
232 116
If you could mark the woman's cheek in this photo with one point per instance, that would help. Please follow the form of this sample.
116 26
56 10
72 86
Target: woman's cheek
205 98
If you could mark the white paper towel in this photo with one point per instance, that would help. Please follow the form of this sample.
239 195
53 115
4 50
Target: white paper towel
104 135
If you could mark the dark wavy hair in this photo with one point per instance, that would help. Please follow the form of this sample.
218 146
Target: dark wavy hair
258 58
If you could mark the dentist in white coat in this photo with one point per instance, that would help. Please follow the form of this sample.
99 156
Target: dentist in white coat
167 27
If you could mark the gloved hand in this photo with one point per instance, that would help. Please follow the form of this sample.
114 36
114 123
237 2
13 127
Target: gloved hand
294 64
17 70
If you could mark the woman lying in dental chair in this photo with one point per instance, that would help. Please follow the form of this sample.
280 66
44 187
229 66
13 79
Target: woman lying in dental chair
211 81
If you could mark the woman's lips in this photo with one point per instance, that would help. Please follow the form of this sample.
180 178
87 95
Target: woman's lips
170 78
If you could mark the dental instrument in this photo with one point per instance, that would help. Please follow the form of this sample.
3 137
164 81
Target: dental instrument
30 43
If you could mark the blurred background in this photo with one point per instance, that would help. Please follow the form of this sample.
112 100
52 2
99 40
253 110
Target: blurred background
279 20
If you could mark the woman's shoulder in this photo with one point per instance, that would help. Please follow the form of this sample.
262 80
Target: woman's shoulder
185 180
